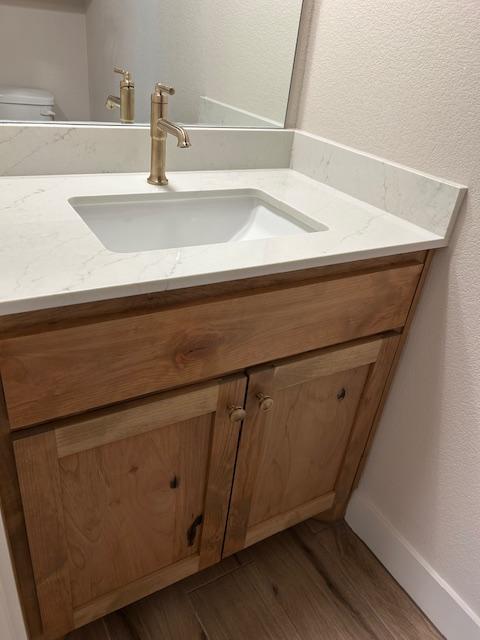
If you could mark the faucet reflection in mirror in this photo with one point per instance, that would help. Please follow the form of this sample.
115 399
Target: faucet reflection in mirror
160 127
126 101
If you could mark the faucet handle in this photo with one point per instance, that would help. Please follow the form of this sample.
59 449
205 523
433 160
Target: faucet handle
127 77
164 88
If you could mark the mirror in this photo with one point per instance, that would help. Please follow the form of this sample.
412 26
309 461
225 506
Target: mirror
230 61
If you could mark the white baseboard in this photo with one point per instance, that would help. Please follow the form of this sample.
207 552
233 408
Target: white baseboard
445 608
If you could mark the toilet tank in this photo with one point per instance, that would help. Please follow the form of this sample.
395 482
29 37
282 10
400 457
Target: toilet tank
23 103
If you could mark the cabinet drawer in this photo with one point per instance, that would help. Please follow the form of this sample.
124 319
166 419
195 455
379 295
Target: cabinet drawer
66 371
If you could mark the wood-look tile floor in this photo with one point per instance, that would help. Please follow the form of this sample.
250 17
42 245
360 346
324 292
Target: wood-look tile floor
312 582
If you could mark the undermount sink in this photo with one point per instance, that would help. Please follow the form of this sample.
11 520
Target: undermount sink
145 222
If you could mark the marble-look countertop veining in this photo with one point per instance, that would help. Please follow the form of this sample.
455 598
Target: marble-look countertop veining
49 257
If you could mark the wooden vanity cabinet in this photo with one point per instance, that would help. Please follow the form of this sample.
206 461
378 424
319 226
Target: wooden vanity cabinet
143 440
123 503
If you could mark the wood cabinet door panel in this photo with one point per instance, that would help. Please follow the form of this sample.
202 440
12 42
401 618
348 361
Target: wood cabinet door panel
133 522
127 513
294 457
304 441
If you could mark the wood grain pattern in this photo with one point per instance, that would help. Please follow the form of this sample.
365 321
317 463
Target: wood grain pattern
168 615
330 587
248 457
134 311
293 516
122 503
297 370
135 590
305 591
134 419
220 474
14 523
40 485
210 574
290 457
356 573
242 605
66 371
304 442
363 423
122 518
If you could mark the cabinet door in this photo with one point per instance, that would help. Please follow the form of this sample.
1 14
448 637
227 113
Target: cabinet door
307 424
127 501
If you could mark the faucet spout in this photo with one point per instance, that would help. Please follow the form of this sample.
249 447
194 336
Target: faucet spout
183 139
112 102
160 127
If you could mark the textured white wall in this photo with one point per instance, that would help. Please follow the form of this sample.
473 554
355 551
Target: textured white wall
240 53
401 79
43 45
248 52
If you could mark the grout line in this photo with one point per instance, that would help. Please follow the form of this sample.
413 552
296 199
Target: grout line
205 635
212 580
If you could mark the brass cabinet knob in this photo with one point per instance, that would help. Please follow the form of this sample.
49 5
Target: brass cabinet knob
237 414
265 402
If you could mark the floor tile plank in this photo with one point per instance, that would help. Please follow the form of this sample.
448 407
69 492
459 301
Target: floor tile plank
118 627
307 594
356 572
313 582
93 631
241 605
167 614
111 627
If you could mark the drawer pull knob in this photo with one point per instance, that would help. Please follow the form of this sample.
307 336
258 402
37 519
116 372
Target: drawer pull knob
265 402
237 414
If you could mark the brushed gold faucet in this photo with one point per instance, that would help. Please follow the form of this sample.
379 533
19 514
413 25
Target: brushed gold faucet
126 101
160 127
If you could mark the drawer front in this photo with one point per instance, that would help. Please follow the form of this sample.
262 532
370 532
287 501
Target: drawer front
67 371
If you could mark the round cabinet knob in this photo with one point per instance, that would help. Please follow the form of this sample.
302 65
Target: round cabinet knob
265 402
237 414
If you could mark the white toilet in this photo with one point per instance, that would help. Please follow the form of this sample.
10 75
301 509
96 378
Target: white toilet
23 103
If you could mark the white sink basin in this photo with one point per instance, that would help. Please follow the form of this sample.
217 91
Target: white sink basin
146 222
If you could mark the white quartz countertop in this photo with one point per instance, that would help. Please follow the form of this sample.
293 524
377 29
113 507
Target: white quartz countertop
49 257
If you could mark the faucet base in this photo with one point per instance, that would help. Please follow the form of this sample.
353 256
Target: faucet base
159 181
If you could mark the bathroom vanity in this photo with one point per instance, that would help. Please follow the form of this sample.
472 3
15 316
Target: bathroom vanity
165 407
